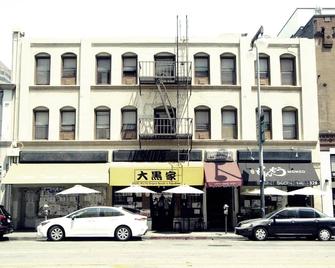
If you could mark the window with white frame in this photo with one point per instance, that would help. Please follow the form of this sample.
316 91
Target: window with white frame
68 124
103 69
264 69
129 123
129 69
102 123
229 123
290 126
228 69
202 122
41 124
42 72
287 70
69 69
201 68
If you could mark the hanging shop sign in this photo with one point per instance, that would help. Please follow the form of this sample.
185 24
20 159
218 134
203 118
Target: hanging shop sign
219 156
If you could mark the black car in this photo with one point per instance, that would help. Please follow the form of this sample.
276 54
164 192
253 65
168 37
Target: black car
294 221
6 225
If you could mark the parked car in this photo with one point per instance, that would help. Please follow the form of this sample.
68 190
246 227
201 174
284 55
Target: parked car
294 221
6 225
95 222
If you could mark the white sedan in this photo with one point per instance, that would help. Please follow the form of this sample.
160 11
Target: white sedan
95 222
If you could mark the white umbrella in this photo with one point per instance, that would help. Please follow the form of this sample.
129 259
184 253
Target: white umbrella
78 190
267 191
307 191
183 189
134 189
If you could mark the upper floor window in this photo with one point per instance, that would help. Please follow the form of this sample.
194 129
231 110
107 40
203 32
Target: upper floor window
229 123
103 68
42 75
287 70
102 123
228 69
67 123
264 69
267 122
165 65
164 123
69 69
129 123
129 69
41 123
290 126
201 69
202 122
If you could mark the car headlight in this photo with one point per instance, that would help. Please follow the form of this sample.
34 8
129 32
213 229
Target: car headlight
44 223
246 225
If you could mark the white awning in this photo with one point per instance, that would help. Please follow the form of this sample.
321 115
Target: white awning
57 174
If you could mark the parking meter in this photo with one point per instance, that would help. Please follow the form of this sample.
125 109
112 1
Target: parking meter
45 211
225 213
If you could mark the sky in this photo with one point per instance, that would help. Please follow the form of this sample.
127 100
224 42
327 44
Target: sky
141 18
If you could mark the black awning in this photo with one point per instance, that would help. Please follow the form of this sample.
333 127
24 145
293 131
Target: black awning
280 174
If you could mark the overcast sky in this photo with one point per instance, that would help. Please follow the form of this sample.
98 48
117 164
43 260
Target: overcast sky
136 18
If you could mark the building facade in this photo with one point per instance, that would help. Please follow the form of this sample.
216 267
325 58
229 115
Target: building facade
321 28
111 113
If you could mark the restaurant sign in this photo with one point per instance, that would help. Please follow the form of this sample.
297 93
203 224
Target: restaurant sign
158 177
219 156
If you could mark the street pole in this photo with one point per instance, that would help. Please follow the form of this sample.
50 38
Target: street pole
259 127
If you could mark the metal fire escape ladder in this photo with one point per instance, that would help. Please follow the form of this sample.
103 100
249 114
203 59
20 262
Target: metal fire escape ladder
165 99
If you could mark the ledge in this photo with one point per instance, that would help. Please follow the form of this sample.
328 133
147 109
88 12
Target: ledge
48 87
110 87
278 88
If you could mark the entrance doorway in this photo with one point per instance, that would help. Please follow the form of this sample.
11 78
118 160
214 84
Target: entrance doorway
216 199
162 212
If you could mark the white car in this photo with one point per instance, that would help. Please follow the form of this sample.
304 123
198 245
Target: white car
95 222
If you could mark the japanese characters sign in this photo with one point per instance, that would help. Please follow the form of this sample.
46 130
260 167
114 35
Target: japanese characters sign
158 177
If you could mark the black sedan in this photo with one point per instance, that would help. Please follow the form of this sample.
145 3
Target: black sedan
295 221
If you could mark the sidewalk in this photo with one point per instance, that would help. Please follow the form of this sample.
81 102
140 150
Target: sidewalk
150 235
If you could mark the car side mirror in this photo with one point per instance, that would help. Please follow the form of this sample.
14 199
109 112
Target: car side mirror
73 217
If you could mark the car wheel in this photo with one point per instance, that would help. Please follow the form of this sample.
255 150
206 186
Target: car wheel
260 233
123 233
324 234
56 233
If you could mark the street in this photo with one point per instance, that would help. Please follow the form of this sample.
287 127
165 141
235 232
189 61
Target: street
167 253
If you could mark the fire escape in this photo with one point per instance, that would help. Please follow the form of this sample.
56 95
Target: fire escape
169 75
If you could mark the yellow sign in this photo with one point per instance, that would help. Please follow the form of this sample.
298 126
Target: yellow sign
156 174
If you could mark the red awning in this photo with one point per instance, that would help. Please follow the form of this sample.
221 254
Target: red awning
222 174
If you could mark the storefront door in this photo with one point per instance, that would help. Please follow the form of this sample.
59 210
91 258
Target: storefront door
162 212
216 199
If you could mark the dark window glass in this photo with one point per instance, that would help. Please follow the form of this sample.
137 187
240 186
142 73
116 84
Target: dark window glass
287 69
229 124
129 125
87 213
69 72
42 69
307 213
102 130
68 125
286 214
228 71
103 70
109 212
41 127
290 129
201 66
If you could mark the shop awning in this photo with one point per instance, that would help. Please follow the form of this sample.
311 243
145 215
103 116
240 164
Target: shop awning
156 174
222 174
280 174
57 174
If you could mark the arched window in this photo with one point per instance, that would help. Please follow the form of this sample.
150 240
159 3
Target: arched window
129 68
290 123
202 115
69 69
42 71
228 69
229 122
165 66
104 61
287 70
102 123
267 123
264 69
201 69
129 123
67 123
41 123
164 123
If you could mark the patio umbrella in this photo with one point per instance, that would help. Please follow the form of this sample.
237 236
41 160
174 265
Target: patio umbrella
307 191
134 189
183 189
267 191
78 190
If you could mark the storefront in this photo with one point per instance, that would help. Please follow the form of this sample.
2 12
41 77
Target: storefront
31 186
164 211
282 171
222 179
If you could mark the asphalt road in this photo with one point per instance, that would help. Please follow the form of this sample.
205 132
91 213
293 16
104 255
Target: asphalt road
168 253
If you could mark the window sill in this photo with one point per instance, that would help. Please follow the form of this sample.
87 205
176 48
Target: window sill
48 87
269 87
